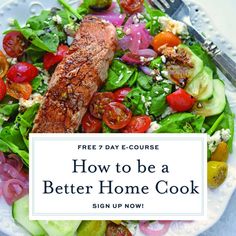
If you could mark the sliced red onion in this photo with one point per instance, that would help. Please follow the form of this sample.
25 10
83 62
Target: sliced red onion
147 70
1 186
8 172
2 158
137 37
15 161
14 189
147 53
144 227
116 19
131 58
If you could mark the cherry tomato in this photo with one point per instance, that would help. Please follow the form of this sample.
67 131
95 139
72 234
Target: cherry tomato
91 124
3 89
22 72
14 44
19 90
180 100
51 59
116 115
121 93
131 6
138 124
117 230
3 65
99 102
165 38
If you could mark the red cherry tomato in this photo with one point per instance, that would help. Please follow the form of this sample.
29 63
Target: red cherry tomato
22 72
51 59
138 124
180 100
19 90
99 102
121 93
131 6
116 115
14 44
90 124
117 230
3 89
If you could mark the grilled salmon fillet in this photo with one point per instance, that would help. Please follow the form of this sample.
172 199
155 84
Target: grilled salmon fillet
77 78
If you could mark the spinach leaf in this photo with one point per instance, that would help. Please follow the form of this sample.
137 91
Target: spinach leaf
69 8
181 123
152 18
7 111
14 137
151 102
144 81
38 84
118 75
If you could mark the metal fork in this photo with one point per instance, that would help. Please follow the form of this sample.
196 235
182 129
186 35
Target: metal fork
178 10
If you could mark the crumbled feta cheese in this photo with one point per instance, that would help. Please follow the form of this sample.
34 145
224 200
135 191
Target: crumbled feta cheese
135 19
165 73
167 90
163 59
140 16
71 29
57 19
34 98
213 141
176 27
12 61
5 118
159 78
168 111
153 126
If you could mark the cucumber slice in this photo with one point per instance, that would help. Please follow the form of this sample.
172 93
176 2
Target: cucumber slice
20 212
201 87
195 60
60 228
94 228
216 104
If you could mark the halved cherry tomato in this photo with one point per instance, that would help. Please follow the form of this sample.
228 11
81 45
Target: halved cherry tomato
138 124
99 102
116 115
19 90
22 72
131 6
51 59
3 89
3 65
117 230
14 44
121 93
180 100
165 38
90 124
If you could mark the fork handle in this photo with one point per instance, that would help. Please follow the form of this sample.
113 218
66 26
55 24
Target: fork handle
226 65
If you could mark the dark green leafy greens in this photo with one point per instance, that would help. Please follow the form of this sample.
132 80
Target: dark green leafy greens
119 75
14 136
181 123
151 16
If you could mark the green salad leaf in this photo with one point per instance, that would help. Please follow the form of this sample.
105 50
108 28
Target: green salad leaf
181 123
151 16
14 136
118 75
146 98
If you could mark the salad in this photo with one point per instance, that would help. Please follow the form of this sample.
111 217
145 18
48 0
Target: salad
160 80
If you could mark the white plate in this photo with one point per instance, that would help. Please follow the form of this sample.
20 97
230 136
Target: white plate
208 23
